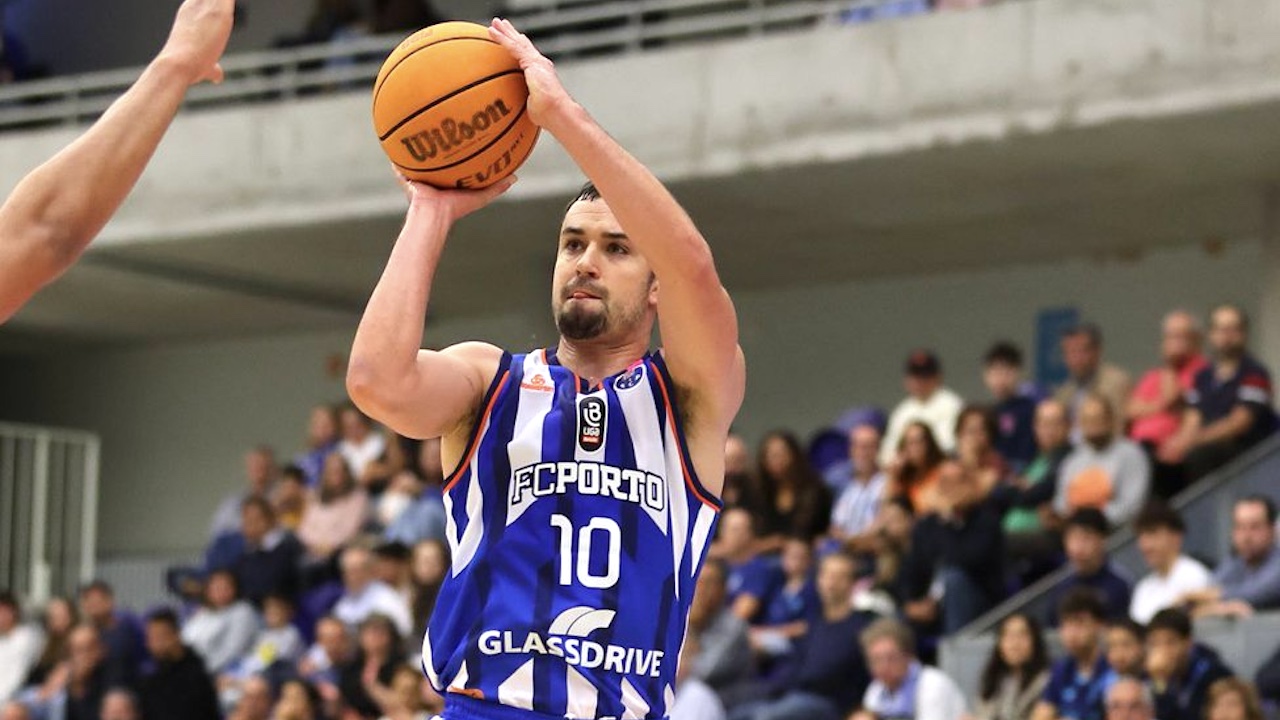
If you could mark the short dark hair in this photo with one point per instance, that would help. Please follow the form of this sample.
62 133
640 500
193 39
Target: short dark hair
1173 619
293 472
1156 516
1087 329
98 586
1082 601
261 504
164 616
587 193
10 600
1003 352
1091 519
1266 502
1129 625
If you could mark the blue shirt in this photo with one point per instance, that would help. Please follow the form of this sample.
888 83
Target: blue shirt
757 577
1111 585
1015 439
1259 586
784 607
1250 387
1075 696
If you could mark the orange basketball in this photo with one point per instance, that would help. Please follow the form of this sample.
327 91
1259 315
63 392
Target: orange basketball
450 110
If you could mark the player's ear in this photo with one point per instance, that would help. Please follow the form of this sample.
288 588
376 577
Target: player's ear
653 289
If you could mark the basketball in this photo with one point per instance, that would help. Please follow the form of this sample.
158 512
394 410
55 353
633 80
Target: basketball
449 107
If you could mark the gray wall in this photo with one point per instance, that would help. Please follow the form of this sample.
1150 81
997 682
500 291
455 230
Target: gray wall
175 419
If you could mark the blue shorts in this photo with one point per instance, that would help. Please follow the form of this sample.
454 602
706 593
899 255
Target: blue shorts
461 707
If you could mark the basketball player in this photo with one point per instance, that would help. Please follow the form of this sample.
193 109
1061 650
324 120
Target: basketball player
584 481
62 205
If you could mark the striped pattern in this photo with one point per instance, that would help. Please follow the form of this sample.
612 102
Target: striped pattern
507 627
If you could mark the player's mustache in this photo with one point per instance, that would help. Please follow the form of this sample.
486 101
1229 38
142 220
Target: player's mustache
582 286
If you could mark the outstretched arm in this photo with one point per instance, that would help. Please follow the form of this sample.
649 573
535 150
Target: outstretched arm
56 211
418 393
699 325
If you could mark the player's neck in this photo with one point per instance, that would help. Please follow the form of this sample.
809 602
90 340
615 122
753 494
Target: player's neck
597 359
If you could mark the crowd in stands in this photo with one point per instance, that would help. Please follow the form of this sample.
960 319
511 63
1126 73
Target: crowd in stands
825 593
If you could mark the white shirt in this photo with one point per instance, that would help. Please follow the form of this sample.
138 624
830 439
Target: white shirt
377 597
939 412
19 650
1154 593
359 455
221 636
696 701
938 697
858 505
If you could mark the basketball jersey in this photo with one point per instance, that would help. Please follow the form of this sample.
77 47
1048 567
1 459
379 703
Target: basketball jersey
578 529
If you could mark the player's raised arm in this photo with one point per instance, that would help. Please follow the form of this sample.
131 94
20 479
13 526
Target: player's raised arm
419 393
56 211
699 325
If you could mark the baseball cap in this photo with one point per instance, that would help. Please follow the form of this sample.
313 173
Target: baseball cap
923 363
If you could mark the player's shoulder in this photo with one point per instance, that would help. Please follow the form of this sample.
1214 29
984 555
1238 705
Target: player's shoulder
484 360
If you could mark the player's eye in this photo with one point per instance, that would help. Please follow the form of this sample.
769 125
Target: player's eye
573 245
617 249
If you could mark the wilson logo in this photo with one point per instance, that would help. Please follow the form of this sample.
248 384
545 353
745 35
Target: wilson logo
454 133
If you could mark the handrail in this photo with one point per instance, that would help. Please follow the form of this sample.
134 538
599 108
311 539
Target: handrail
1122 538
563 32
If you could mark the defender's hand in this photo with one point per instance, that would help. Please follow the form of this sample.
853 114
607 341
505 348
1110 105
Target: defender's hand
199 37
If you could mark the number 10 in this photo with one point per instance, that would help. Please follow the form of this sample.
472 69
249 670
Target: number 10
585 536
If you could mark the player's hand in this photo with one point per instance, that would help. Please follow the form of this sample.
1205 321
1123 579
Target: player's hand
546 93
454 204
199 37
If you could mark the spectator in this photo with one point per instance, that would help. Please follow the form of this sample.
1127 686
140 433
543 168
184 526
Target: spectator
927 401
277 642
1089 375
331 651
1126 650
1160 531
361 444
1078 682
322 441
720 655
298 701
373 667
255 700
955 550
364 595
737 472
790 499
1014 412
121 704
1105 471
828 674
1017 672
1085 539
853 518
424 518
19 646
790 604
913 473
1249 579
1233 699
893 544
395 460
1129 699
1229 407
430 566
60 618
975 432
391 568
1032 544
1180 669
79 691
751 575
289 499
901 687
223 629
1156 405
270 557
179 687
119 631
260 473
335 514
13 710
404 701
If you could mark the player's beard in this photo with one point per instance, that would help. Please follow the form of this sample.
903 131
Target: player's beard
576 322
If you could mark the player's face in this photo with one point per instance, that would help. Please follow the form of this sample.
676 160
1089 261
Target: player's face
602 286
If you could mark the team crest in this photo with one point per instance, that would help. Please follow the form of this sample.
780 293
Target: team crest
592 413
630 379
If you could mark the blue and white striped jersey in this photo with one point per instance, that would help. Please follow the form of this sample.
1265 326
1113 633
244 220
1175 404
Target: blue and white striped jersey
578 528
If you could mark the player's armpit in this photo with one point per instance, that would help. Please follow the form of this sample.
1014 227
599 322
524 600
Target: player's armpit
439 394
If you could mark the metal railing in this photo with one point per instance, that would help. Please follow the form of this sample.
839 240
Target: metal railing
48 509
563 30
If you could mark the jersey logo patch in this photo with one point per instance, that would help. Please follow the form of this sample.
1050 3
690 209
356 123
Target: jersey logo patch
538 383
592 415
630 379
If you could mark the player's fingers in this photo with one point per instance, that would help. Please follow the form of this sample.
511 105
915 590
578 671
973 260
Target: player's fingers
216 76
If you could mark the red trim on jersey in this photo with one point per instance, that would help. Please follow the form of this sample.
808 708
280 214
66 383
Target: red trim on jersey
474 444
688 477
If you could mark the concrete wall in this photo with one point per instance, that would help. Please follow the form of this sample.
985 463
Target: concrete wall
175 419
